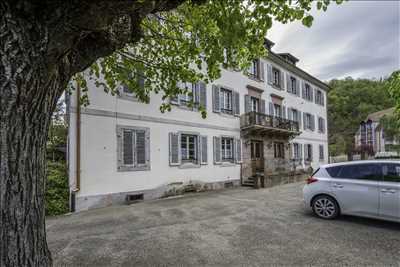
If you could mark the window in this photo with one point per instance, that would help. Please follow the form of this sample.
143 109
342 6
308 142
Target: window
254 69
189 148
126 92
133 148
279 150
255 104
321 125
319 98
227 149
293 84
278 110
360 171
391 172
308 121
334 171
321 152
226 100
307 94
296 151
276 77
308 152
257 149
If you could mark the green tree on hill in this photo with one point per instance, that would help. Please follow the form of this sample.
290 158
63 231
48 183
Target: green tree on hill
349 102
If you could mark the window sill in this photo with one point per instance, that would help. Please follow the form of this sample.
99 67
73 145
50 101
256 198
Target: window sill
127 97
255 78
132 168
227 115
227 164
188 165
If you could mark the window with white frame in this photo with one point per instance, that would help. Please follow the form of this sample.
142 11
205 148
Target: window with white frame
293 85
308 92
308 152
296 151
226 101
255 104
227 148
276 77
309 121
189 148
278 110
133 148
126 91
319 97
321 152
321 125
254 70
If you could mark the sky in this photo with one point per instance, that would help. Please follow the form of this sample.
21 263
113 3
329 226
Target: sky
360 39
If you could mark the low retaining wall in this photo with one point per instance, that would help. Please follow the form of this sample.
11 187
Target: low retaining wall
279 179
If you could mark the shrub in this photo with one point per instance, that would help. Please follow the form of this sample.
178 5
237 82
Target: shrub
57 191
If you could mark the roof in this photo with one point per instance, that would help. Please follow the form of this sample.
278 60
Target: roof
290 56
376 116
297 71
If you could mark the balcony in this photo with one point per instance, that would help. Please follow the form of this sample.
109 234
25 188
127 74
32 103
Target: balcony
259 123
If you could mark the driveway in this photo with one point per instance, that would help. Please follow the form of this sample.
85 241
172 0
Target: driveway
236 227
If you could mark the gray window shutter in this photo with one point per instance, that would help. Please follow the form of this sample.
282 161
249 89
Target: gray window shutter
305 151
217 150
284 112
299 118
312 122
262 106
174 144
303 89
119 147
236 103
247 103
271 109
140 151
305 121
238 151
203 147
288 83
297 87
216 104
312 94
301 151
312 153
282 76
203 94
322 99
269 73
261 70
127 147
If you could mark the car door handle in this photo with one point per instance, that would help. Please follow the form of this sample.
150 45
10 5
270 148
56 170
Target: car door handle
388 190
338 185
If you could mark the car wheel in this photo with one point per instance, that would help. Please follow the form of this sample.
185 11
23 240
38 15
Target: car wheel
325 207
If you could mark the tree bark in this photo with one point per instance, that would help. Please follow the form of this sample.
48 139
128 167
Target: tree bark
43 43
28 96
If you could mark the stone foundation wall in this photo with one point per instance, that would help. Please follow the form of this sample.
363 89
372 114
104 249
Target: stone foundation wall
173 189
280 179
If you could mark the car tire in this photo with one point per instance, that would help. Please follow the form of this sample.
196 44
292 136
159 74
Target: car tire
325 207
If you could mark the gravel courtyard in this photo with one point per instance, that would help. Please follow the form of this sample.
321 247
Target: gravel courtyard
235 227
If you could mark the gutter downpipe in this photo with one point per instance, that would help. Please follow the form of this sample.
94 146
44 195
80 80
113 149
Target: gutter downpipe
78 139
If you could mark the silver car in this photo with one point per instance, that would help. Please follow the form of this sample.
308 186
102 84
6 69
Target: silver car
363 188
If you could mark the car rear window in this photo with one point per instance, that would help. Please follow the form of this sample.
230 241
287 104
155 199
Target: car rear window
334 171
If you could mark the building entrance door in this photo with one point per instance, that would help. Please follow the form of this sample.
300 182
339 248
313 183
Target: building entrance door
257 157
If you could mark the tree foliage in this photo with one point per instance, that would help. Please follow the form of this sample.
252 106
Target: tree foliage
192 43
394 89
57 190
349 102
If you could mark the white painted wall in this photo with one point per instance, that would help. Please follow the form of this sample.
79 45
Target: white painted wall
99 142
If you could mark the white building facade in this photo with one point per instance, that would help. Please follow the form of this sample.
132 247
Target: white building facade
120 150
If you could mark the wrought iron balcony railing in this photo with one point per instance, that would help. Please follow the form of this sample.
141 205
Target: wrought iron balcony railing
253 118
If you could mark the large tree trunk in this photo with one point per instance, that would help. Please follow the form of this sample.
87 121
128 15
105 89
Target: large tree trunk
42 45
28 95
